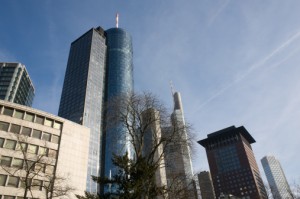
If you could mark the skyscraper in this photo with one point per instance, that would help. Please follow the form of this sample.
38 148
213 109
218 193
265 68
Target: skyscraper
277 181
178 156
99 68
206 186
15 84
232 163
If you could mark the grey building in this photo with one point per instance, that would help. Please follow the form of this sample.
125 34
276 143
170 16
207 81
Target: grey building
15 84
99 68
206 185
178 157
277 181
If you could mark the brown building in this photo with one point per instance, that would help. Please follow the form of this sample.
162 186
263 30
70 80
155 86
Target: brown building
206 185
232 163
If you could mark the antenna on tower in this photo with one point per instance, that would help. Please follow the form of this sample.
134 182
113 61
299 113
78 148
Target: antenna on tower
172 87
117 20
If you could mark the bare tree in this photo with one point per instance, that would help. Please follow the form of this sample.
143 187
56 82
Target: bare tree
33 167
149 131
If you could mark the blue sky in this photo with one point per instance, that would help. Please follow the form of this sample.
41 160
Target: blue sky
234 62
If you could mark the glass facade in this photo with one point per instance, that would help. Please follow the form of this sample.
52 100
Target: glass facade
99 68
119 82
15 84
83 93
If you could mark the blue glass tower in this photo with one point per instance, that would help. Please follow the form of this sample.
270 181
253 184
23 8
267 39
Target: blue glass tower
99 68
119 82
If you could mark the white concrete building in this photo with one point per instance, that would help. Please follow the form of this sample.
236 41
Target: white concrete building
40 146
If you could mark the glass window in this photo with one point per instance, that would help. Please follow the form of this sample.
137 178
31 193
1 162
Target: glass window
49 169
5 161
29 117
10 144
36 134
39 119
13 181
28 165
2 180
48 122
52 153
21 146
9 197
39 167
1 142
57 125
36 184
15 128
22 184
26 131
4 126
32 148
46 136
55 139
43 151
8 111
19 114
17 163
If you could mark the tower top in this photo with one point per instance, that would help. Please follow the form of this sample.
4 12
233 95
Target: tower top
117 20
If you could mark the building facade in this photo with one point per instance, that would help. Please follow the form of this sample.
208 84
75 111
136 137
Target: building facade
178 156
277 181
15 84
206 185
99 68
232 163
36 146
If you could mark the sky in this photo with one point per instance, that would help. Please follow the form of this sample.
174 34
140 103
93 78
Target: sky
234 62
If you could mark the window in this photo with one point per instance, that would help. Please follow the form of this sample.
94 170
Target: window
8 111
19 114
26 131
23 185
13 181
57 125
32 148
36 184
18 163
29 165
10 144
4 126
52 153
39 167
21 146
39 119
5 161
36 134
1 142
43 151
49 169
48 122
15 128
46 136
2 180
55 139
9 197
29 117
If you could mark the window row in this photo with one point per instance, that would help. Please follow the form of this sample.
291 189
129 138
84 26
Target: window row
27 165
31 117
14 181
13 197
29 148
14 128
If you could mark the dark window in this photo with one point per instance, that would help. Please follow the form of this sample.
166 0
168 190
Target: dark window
15 128
4 126
26 131
8 111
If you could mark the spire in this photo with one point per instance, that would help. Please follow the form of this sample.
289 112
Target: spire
117 20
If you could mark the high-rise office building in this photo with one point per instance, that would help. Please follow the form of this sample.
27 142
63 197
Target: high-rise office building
99 68
206 185
178 156
277 181
232 163
15 84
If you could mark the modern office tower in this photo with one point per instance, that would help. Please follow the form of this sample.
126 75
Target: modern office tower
277 181
206 185
178 156
232 163
15 84
39 146
99 68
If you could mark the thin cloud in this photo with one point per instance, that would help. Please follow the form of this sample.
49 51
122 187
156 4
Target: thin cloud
256 66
